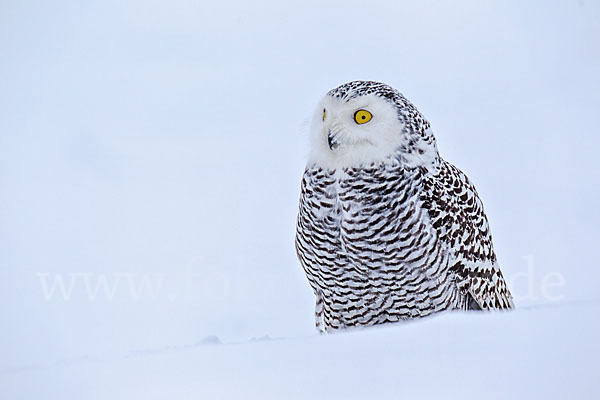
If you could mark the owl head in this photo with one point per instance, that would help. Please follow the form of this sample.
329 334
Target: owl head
364 122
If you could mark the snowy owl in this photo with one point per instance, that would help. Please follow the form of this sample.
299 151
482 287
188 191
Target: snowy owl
387 229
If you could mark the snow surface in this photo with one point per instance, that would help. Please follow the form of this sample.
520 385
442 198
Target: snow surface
162 143
514 355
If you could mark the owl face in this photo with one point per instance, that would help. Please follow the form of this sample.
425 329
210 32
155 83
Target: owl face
364 122
357 131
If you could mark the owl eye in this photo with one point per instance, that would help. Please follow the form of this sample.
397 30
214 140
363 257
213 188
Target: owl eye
324 114
362 116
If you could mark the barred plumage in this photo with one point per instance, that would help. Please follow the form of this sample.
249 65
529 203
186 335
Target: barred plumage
388 230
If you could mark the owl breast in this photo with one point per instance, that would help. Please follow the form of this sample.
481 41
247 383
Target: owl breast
368 248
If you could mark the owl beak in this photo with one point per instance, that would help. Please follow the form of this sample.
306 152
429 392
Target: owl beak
332 141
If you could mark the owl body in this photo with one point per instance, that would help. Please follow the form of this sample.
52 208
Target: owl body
387 230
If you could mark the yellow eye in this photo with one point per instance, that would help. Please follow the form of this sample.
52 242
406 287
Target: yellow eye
362 116
324 114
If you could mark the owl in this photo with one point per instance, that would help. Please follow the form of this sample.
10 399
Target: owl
387 229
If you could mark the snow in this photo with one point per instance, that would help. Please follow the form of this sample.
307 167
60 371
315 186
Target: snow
150 160
519 354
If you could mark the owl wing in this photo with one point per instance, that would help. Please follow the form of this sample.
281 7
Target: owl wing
457 215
